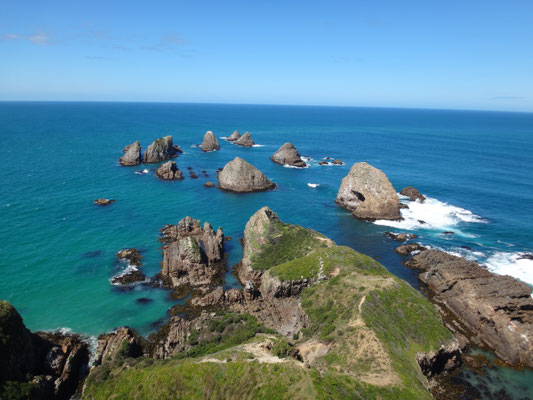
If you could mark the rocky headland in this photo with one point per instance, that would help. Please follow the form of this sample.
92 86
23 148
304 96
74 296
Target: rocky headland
240 176
210 142
368 194
161 149
288 155
169 171
132 155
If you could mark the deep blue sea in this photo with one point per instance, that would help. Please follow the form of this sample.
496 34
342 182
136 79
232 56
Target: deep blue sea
58 250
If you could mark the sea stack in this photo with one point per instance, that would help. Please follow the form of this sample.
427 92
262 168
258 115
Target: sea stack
132 155
241 176
234 136
160 150
210 142
245 140
288 155
169 171
368 193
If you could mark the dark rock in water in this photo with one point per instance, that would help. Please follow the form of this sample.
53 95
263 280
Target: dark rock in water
132 274
245 140
227 238
132 155
406 249
337 162
204 172
92 254
132 255
494 311
401 237
189 168
288 155
234 136
103 202
209 184
323 163
403 206
169 171
241 176
368 193
413 194
193 175
525 256
448 233
143 300
161 149
56 362
210 142
192 255
422 222
466 247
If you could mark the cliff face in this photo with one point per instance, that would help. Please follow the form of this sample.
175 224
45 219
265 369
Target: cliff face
368 194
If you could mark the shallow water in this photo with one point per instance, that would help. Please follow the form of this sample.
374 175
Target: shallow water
57 249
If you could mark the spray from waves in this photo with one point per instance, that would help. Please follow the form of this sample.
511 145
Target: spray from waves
292 166
433 215
258 145
514 264
313 185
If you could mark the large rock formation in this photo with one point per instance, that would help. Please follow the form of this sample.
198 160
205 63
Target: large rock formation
495 311
160 150
210 142
169 171
132 155
52 363
288 155
192 255
234 136
368 193
241 176
413 194
245 140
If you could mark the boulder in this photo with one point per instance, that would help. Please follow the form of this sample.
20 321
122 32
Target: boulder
131 274
408 248
401 237
234 136
210 142
132 155
337 162
132 255
193 175
288 155
413 194
241 176
209 184
368 193
161 149
245 140
489 310
169 171
104 202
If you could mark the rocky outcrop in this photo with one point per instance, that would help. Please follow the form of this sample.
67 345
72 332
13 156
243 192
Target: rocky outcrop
209 184
401 237
445 360
241 176
169 171
121 343
368 193
192 255
161 149
409 248
132 155
245 140
103 202
234 136
288 155
413 194
210 142
132 273
54 362
489 310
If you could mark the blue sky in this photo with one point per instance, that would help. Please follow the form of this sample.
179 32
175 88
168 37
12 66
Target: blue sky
447 54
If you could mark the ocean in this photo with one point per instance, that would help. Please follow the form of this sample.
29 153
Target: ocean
58 249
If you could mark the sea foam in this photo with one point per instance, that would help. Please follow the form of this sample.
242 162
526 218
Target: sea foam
503 263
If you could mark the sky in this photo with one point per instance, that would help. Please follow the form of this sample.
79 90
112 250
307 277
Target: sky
399 53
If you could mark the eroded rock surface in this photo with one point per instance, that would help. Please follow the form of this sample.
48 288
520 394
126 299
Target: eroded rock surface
132 155
161 149
169 171
413 194
288 155
240 176
368 194
245 140
234 136
210 142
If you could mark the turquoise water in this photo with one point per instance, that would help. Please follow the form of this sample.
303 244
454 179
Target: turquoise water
57 250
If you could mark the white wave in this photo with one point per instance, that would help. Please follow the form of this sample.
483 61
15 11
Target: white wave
130 268
292 166
503 263
223 137
306 159
258 145
144 171
433 215
92 343
313 185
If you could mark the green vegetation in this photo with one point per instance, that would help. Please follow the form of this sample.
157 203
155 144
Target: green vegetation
11 390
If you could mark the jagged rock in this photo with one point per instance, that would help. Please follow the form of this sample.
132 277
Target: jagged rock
234 136
491 310
123 342
337 162
132 274
525 256
161 149
193 175
245 140
132 155
210 142
288 155
241 176
368 193
413 194
408 248
446 359
323 163
192 255
209 184
104 202
169 171
401 237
